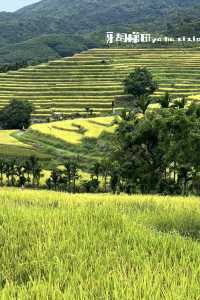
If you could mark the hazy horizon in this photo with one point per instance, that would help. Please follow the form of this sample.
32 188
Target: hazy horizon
13 5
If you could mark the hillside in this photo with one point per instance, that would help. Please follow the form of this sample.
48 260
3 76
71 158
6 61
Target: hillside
41 49
54 142
12 147
94 79
88 20
62 246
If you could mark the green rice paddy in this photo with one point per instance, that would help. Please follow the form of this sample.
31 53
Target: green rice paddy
86 247
94 79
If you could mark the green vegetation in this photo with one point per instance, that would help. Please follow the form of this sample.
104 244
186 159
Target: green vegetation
41 49
19 173
83 138
144 151
105 138
140 86
16 115
56 28
11 147
158 152
68 87
74 131
59 246
153 152
140 83
56 142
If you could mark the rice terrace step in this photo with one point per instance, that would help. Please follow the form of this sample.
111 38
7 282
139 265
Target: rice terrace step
95 76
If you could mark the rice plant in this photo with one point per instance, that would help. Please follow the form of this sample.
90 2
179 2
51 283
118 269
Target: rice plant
61 246
84 78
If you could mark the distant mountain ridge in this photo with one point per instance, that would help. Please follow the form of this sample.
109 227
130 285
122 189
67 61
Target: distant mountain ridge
88 20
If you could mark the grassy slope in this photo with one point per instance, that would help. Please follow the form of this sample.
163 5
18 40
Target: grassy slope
7 138
11 146
73 131
55 142
42 48
94 79
85 138
60 246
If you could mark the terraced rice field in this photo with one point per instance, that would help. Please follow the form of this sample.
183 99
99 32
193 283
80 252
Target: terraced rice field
94 79
11 146
73 131
84 138
7 138
53 142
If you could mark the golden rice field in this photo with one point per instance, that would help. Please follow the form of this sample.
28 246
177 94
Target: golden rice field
73 131
55 141
12 147
7 138
94 79
194 97
60 246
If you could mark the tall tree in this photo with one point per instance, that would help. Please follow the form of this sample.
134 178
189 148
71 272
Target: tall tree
16 115
159 151
140 83
2 170
71 174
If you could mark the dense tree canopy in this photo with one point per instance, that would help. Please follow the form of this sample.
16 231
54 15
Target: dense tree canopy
160 151
46 30
16 115
140 83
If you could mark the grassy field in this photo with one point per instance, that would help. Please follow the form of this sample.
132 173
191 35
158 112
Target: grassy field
60 246
94 79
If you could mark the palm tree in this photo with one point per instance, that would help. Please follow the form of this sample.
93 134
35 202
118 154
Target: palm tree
13 171
54 178
34 164
95 170
37 175
7 172
2 170
20 174
165 100
28 169
105 171
71 174
74 173
67 174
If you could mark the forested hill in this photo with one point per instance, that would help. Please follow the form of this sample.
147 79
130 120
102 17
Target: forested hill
49 26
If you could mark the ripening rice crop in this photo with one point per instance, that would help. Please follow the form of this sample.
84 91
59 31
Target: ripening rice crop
95 77
194 97
60 246
6 137
72 131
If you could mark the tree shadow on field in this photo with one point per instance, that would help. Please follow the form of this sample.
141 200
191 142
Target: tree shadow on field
106 125
166 220
186 224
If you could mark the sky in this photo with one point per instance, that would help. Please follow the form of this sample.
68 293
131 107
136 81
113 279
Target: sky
12 5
